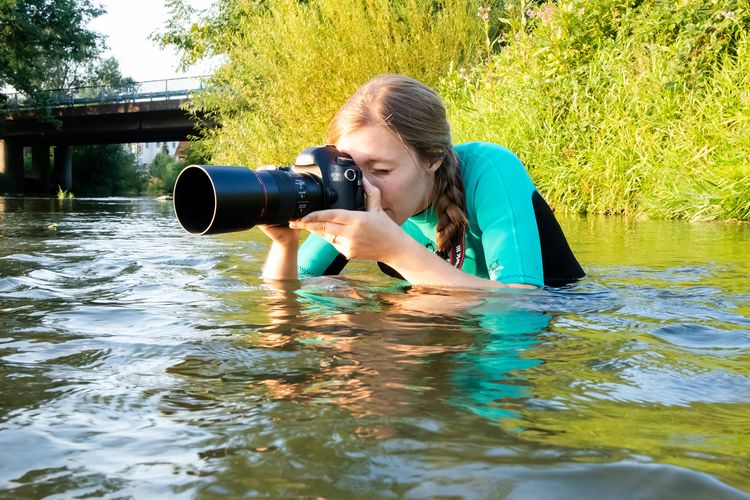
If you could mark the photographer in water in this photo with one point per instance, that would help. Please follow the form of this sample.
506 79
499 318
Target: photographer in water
463 216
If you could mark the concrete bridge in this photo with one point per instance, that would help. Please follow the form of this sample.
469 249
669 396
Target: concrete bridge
139 112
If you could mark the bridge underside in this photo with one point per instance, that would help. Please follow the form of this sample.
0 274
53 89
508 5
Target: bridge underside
155 121
104 124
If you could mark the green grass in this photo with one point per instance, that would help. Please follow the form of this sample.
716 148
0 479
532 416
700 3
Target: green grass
618 110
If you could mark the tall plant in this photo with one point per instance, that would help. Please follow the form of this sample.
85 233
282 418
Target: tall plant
621 107
288 65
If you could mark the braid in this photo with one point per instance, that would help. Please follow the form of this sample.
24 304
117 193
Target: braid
449 202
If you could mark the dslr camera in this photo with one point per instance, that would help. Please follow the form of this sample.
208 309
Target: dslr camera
212 199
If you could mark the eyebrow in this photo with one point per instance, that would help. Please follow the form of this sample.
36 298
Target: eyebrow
378 159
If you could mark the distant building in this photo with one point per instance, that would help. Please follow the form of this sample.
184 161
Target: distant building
145 152
181 152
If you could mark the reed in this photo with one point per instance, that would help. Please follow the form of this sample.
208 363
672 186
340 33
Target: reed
63 194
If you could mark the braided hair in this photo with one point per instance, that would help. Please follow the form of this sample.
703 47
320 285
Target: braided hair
415 113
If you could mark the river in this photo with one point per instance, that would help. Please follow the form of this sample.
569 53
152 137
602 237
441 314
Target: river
137 361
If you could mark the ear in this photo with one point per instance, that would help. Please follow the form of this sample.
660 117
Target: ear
432 167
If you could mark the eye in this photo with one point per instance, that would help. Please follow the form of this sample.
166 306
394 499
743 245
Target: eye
379 171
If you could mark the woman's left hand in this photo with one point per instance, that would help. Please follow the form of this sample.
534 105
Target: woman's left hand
369 235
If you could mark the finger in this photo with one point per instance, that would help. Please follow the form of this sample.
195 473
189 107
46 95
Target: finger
337 216
325 228
373 196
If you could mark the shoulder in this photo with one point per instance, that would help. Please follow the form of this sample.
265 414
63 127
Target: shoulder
482 159
480 152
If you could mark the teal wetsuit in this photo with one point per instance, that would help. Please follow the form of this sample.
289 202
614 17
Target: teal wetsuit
511 237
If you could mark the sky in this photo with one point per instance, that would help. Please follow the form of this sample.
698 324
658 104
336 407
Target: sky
127 25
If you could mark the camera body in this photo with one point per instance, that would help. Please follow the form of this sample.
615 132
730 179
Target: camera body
212 199
341 178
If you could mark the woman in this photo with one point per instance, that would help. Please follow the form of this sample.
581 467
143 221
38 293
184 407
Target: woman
463 216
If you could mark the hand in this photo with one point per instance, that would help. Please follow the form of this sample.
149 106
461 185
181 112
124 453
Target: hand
369 235
285 236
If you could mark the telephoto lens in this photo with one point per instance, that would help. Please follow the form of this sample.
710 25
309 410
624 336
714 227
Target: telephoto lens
210 199
215 199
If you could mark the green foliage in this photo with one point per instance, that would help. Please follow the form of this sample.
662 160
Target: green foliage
163 171
103 73
107 163
617 107
196 153
620 107
27 168
105 170
41 40
289 65
106 72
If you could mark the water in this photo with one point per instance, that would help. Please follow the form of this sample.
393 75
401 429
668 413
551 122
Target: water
137 361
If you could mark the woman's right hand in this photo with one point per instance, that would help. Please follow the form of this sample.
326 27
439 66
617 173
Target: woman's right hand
281 263
282 235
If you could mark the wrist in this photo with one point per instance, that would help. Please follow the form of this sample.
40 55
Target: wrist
284 247
281 262
286 241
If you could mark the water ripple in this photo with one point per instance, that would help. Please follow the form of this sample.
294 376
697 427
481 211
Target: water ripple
700 337
137 361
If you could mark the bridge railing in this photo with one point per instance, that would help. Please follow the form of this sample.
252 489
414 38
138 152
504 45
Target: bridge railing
174 88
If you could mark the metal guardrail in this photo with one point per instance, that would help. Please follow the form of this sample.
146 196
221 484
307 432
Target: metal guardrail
175 88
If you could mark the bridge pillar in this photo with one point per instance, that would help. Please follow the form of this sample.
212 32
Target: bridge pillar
11 161
40 168
63 167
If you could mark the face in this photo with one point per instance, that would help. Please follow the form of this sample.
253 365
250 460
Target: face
404 181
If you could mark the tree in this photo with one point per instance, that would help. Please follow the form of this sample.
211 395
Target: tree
163 170
104 73
105 170
44 42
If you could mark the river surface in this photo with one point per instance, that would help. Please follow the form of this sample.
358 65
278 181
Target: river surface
137 361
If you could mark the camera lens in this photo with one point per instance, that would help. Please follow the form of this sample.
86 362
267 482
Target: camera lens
213 199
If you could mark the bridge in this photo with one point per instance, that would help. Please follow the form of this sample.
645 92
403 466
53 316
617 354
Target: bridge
149 111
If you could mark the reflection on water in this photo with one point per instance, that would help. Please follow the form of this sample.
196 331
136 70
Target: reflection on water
137 361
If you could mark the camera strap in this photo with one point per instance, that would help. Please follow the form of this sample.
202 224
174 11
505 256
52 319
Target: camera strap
457 252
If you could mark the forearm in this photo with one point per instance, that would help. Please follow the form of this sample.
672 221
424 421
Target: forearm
419 266
281 263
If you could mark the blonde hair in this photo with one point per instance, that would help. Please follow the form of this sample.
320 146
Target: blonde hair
415 113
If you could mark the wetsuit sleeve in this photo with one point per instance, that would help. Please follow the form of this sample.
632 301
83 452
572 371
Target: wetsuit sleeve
317 257
501 195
